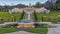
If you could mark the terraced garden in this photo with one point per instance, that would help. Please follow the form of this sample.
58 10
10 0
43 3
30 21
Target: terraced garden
5 16
52 16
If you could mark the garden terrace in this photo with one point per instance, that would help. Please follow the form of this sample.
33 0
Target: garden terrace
6 17
52 16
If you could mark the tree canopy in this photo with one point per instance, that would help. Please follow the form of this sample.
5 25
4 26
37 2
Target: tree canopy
58 3
37 5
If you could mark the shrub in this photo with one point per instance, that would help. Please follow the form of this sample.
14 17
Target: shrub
22 15
8 26
35 16
41 25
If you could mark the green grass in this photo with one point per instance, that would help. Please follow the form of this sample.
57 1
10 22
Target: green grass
41 25
7 15
7 30
38 30
53 15
51 26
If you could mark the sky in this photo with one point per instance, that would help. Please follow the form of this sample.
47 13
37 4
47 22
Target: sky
15 2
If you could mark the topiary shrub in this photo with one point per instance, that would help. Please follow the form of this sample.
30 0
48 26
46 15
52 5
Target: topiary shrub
22 15
35 16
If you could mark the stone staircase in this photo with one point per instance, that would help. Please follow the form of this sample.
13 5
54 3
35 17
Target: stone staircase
26 16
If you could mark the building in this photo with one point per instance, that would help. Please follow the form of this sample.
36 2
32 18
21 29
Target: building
29 8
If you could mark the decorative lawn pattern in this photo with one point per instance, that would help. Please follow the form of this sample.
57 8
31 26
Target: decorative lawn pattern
38 30
6 16
53 15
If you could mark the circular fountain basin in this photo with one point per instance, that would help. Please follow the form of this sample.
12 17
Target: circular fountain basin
26 24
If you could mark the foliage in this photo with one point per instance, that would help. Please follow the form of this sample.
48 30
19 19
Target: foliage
35 16
22 15
8 25
7 29
58 3
8 17
38 30
21 6
41 25
7 7
52 16
37 5
50 26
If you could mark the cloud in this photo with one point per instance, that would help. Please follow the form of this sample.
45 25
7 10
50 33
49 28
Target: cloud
14 2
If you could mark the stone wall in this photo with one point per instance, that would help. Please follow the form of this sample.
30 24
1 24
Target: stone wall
25 26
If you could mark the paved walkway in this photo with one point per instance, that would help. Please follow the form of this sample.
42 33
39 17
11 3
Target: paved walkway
54 30
20 32
51 31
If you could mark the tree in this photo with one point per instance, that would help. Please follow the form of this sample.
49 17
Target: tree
37 5
22 15
58 4
35 16
7 7
50 4
20 5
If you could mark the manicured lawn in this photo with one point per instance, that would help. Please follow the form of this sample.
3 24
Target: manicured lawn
53 15
6 16
7 30
38 30
52 26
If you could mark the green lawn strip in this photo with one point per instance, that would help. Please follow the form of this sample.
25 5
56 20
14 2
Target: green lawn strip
7 30
38 30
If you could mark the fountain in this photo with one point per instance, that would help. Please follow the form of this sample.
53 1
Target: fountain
28 21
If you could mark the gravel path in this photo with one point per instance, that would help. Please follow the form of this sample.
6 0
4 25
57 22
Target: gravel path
20 32
54 30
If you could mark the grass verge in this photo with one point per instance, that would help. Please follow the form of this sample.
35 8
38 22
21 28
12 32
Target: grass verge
38 30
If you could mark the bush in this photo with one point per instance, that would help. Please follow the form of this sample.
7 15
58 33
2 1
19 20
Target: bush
41 25
5 26
8 26
22 15
35 16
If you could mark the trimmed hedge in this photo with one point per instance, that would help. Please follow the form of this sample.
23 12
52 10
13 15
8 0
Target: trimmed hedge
41 25
35 16
22 15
